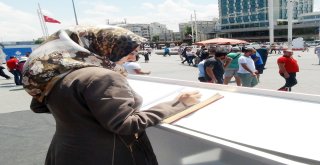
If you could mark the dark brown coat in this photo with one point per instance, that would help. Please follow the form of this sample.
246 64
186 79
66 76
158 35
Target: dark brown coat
97 115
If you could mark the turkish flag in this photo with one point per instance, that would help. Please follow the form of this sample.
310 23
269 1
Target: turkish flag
49 19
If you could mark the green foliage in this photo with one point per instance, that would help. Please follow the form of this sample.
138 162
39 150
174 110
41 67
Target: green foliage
155 38
187 31
39 41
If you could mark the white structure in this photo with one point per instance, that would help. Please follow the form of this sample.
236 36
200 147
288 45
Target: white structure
142 30
153 29
225 133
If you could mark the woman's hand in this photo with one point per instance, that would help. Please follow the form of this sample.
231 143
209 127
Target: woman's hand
189 98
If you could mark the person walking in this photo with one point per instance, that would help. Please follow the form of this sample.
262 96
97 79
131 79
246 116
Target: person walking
81 82
190 56
263 51
273 47
258 63
288 67
12 65
2 74
166 51
317 51
214 66
247 71
232 69
200 66
146 55
133 67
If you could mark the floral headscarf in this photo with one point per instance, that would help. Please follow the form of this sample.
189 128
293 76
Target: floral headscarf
74 48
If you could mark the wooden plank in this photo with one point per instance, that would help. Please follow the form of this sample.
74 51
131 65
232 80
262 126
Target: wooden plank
192 109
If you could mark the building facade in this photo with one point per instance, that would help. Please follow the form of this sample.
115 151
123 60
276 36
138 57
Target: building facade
153 30
248 19
142 30
204 29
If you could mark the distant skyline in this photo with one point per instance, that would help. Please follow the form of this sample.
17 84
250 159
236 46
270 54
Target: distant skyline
20 22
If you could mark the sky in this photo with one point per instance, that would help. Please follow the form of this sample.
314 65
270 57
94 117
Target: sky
19 20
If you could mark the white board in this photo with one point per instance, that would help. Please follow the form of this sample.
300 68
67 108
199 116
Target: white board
279 124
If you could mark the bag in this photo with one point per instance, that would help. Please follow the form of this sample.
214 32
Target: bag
140 148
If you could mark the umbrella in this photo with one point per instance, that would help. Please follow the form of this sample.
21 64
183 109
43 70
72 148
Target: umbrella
222 41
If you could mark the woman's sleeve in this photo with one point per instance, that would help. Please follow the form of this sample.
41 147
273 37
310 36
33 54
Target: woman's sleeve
111 101
38 107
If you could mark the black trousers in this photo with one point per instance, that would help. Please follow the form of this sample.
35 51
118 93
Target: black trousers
290 81
2 73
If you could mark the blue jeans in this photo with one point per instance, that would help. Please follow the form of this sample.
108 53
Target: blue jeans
17 76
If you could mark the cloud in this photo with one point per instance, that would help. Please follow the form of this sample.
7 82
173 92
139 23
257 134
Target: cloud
171 13
17 25
148 5
102 9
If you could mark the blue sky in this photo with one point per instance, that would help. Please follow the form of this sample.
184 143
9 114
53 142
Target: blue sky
19 19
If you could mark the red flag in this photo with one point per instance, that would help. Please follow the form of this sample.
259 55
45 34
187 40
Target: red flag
49 19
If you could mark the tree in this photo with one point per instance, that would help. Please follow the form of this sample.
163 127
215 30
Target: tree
39 41
187 31
188 35
155 38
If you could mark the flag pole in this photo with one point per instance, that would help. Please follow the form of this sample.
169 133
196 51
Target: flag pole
41 23
75 13
44 23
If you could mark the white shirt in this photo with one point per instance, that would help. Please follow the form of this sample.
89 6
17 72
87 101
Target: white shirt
248 61
131 66
202 72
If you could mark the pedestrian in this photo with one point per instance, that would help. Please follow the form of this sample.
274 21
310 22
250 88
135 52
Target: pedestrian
133 67
146 55
166 51
263 51
202 72
317 51
12 65
258 63
232 69
97 114
190 56
273 47
21 63
305 47
184 54
247 71
180 50
2 72
214 66
288 68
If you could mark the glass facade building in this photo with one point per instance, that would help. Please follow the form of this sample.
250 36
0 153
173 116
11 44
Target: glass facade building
235 14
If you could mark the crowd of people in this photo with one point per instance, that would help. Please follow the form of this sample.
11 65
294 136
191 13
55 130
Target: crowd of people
219 64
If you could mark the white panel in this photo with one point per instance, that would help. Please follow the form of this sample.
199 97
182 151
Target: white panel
269 122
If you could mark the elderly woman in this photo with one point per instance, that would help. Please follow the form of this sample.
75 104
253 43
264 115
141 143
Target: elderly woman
75 75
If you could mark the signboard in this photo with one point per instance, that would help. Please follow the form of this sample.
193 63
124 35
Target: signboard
17 52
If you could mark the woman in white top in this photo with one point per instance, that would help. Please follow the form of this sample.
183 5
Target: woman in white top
133 67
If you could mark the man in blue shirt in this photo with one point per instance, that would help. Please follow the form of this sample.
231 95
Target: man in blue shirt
258 63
